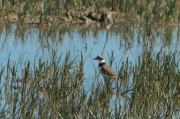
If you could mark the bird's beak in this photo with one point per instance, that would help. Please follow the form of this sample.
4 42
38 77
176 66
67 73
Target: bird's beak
95 58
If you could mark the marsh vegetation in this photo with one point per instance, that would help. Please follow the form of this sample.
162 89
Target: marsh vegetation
53 81
49 12
55 89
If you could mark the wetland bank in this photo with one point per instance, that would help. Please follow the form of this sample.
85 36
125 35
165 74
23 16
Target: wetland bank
47 69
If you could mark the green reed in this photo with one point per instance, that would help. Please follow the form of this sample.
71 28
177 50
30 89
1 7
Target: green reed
157 77
55 89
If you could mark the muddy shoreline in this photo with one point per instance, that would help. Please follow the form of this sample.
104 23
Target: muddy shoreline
85 16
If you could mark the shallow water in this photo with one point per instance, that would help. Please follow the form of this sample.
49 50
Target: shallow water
125 40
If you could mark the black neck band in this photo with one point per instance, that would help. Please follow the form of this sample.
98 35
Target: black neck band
101 64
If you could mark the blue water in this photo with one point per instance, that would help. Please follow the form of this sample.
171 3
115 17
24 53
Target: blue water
124 46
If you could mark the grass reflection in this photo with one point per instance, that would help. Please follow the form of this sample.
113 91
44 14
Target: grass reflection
128 33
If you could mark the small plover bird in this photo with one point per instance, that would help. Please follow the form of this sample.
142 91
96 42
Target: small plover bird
104 69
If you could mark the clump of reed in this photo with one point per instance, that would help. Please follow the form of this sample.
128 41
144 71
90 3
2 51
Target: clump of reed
157 79
54 85
56 89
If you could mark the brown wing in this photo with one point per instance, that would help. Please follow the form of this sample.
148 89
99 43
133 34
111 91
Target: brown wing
108 71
